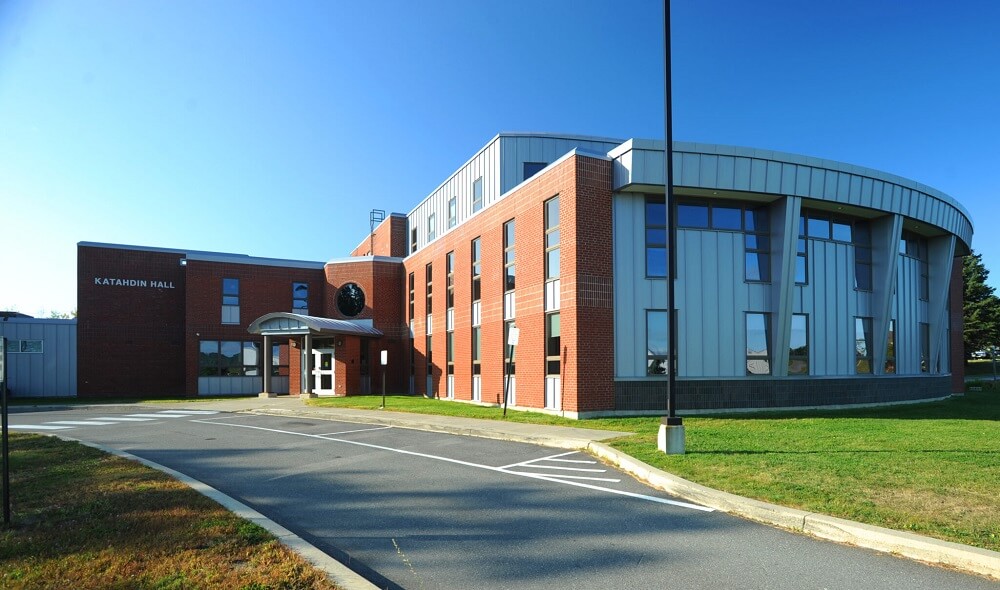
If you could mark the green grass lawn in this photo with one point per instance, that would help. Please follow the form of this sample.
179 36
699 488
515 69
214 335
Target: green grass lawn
85 519
932 468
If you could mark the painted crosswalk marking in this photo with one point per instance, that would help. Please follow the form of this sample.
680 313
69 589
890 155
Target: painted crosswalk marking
112 420
525 467
79 423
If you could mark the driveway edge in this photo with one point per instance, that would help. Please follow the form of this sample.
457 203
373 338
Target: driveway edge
913 546
335 571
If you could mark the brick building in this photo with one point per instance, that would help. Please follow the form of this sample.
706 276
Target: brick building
801 282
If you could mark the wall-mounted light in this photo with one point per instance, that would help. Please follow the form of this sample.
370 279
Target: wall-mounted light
184 262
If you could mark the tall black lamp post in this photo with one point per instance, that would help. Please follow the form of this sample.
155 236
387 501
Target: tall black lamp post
671 436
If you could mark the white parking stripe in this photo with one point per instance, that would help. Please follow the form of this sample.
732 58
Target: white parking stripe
561 476
543 477
38 427
80 423
123 419
549 458
157 416
190 412
358 430
573 461
564 468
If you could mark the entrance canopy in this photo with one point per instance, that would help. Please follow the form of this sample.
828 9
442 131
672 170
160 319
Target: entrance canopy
289 324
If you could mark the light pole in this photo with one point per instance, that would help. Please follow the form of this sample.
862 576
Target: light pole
671 436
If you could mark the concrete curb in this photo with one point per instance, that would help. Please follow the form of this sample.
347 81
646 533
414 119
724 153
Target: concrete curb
335 571
918 547
910 545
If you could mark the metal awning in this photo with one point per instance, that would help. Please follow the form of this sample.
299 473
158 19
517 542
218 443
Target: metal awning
288 324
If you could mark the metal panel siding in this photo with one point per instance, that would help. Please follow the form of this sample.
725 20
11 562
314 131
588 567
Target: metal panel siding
708 172
726 171
48 374
829 301
788 175
758 176
741 180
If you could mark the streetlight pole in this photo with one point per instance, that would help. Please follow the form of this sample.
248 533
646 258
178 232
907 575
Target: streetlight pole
671 437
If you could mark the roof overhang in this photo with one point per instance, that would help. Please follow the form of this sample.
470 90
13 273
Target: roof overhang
292 324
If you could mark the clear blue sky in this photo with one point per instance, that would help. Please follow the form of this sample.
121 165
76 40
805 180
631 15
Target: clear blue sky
271 128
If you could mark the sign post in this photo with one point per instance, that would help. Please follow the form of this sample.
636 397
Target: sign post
6 449
511 342
385 361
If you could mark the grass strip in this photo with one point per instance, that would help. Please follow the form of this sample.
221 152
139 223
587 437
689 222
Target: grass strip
86 519
931 468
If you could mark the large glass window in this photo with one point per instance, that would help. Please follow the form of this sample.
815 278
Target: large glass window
431 228
694 216
656 237
890 349
477 194
758 343
508 256
476 269
657 343
552 239
553 350
801 255
230 301
452 212
228 358
757 243
915 246
798 346
413 240
863 346
300 298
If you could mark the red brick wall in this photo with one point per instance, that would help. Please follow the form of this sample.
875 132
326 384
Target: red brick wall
130 339
957 352
583 185
383 285
388 239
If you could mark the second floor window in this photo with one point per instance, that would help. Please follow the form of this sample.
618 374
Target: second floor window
476 269
230 301
552 239
508 256
300 298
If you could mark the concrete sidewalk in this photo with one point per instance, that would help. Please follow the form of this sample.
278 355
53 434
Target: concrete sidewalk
963 557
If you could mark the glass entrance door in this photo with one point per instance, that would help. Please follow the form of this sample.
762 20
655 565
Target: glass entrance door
323 371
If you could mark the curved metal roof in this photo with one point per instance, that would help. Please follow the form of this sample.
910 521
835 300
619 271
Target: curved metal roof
280 322
639 166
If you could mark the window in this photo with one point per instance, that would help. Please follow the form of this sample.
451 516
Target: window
26 346
228 358
798 346
890 350
925 347
915 246
429 290
656 237
450 351
862 239
508 256
413 240
818 227
552 344
532 168
411 281
429 355
694 216
727 218
476 348
758 344
300 298
452 212
350 300
657 342
430 227
449 268
757 242
230 301
801 255
863 346
279 360
476 269
552 239
477 194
